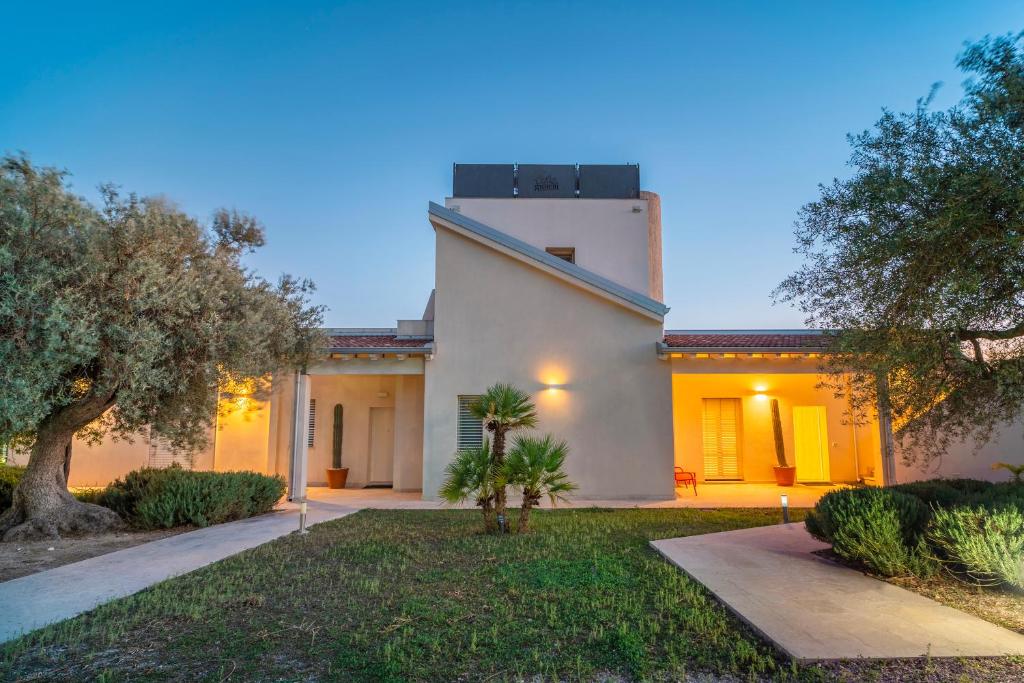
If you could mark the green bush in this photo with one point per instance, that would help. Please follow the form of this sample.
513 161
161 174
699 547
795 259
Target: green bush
944 493
164 498
1005 494
881 528
9 478
981 543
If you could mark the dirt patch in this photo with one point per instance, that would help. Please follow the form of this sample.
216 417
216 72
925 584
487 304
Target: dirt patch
22 559
1002 606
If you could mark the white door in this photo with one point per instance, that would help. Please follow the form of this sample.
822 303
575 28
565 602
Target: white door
721 424
810 438
382 445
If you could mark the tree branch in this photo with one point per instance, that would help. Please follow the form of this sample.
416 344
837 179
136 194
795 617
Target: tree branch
994 335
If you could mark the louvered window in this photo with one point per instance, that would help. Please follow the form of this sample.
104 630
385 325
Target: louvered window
311 436
162 455
721 426
471 430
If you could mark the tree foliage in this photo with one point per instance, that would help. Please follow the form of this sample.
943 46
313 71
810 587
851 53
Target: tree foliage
916 261
126 315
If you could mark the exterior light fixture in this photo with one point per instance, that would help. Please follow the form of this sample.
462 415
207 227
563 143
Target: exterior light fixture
302 518
785 508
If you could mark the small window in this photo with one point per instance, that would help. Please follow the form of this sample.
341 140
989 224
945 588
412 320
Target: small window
564 253
311 437
470 428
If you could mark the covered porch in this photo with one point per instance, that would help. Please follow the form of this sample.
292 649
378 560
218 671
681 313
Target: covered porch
361 406
726 388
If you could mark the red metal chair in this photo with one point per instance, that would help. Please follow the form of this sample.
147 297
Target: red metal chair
684 478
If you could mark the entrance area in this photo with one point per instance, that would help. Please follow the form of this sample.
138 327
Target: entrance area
381 430
724 430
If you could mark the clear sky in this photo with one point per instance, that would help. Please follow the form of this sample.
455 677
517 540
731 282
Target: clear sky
336 123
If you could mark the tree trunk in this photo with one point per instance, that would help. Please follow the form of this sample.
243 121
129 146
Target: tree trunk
524 518
67 463
498 457
42 506
490 519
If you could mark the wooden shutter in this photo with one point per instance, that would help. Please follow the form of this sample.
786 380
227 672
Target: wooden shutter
311 436
470 428
721 438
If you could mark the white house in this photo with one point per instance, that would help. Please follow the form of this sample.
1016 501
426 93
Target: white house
550 278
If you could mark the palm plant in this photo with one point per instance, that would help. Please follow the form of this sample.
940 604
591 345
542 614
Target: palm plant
535 466
470 475
503 408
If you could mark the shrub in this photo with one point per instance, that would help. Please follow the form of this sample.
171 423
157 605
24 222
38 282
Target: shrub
881 528
985 545
164 498
943 492
9 478
1006 494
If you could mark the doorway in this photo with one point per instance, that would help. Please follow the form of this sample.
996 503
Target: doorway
810 439
382 447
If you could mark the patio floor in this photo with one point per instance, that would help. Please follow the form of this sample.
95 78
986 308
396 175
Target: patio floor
708 496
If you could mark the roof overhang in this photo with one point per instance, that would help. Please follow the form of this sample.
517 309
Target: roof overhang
540 259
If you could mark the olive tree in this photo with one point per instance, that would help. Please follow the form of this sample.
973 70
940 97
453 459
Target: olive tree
119 317
916 260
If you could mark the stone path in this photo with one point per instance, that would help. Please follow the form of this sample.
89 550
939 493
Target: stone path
812 608
33 601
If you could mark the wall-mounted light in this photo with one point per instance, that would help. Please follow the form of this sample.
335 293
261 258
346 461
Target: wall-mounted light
759 392
552 388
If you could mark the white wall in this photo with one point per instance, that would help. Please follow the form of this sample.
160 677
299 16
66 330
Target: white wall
610 238
500 320
963 460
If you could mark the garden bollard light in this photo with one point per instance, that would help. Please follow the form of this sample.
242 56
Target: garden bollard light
302 517
785 509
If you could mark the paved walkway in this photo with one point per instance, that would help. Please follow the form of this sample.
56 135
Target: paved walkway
812 608
33 601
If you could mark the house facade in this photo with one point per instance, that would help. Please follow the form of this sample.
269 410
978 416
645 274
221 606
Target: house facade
550 278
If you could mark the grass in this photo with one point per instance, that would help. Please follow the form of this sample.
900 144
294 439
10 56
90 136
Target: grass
422 595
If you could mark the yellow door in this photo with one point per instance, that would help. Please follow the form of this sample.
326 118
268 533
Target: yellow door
810 438
721 438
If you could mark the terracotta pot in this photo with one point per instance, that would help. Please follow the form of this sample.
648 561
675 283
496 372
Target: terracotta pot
785 476
336 478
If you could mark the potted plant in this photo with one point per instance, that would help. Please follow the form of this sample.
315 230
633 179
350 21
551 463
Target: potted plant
336 474
784 474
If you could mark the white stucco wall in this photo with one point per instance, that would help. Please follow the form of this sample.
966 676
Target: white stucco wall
500 320
610 237
965 460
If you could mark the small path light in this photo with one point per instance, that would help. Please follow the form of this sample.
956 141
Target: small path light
785 508
302 518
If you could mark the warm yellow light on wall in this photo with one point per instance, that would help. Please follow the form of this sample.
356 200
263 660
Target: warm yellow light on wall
759 394
552 376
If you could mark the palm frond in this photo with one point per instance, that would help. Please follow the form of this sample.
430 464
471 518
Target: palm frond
469 475
505 406
535 465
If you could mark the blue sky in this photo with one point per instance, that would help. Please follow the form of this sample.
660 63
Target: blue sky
336 123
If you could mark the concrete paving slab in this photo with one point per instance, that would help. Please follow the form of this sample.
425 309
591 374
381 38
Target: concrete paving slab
33 601
814 609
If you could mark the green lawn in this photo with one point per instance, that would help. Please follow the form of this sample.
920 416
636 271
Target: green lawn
422 595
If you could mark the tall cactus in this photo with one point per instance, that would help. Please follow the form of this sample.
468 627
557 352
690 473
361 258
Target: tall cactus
339 428
780 446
